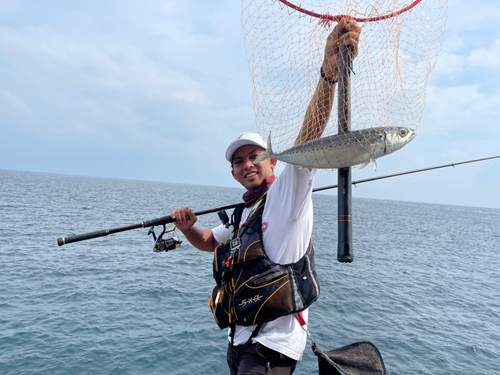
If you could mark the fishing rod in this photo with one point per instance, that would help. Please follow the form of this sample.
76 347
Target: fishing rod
408 172
167 219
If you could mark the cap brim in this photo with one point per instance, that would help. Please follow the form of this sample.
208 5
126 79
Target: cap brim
239 143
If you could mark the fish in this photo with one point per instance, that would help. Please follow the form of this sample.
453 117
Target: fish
349 149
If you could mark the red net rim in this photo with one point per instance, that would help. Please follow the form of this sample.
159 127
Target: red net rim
328 17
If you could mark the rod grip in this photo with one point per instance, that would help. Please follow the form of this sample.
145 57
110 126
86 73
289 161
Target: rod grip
81 237
162 220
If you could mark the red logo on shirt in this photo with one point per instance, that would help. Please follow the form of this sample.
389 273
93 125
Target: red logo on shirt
264 226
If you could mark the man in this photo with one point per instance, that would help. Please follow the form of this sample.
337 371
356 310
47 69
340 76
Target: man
287 219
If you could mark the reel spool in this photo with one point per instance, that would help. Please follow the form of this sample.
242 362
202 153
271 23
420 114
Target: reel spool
166 244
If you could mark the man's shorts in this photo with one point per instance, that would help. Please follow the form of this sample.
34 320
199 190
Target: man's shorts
257 359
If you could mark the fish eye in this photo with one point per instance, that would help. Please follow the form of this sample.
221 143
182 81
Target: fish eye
403 132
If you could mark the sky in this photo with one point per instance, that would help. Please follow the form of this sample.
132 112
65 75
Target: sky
157 89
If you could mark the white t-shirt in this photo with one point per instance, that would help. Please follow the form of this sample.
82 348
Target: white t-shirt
287 223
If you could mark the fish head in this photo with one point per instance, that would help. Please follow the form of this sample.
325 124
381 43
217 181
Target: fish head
396 137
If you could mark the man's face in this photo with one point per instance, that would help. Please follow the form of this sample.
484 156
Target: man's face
248 174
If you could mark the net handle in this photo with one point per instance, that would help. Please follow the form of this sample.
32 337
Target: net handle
328 17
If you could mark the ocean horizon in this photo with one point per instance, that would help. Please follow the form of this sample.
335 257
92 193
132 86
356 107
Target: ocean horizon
236 188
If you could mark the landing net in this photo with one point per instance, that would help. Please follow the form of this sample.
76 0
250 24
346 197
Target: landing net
285 42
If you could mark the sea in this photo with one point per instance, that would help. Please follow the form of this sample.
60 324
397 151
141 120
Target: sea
424 286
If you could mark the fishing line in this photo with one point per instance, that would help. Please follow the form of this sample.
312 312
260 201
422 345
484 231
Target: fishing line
396 183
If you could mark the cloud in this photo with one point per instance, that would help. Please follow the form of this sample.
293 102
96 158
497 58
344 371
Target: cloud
128 72
97 61
472 18
463 107
152 90
450 64
485 58
477 59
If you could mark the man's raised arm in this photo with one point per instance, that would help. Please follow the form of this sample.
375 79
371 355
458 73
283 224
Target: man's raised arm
320 107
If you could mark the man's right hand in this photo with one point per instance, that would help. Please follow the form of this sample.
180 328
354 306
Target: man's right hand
184 219
202 239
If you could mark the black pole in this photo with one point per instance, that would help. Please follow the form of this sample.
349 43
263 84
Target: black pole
167 219
344 194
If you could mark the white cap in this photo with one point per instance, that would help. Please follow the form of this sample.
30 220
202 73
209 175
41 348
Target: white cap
242 140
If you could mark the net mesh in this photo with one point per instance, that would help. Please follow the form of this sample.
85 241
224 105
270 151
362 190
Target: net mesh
285 49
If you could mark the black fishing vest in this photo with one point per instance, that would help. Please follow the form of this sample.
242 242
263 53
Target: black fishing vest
252 289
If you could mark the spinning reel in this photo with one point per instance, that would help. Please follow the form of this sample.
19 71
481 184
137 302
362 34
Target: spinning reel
167 244
174 242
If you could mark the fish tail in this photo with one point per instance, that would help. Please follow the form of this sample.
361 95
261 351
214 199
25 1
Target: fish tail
267 153
269 147
261 158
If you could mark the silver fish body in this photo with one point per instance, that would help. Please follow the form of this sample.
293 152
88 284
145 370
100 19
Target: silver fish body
344 150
